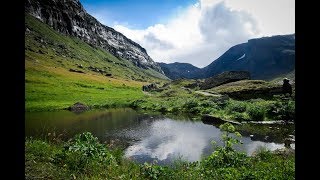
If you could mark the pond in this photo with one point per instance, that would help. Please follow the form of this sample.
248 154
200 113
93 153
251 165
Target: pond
146 136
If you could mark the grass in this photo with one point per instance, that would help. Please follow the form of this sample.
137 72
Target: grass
248 89
175 99
84 157
51 86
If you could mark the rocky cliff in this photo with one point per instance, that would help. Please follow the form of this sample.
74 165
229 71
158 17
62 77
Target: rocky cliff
70 18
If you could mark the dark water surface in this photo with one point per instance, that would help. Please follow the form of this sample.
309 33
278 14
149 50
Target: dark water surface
147 137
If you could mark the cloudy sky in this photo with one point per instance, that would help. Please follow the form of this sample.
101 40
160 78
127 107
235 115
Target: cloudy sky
193 31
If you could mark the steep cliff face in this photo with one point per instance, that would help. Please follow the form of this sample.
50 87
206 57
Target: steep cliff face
70 18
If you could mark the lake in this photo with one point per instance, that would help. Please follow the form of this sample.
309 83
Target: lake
146 136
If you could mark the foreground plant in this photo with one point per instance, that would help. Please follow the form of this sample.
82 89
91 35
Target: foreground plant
84 157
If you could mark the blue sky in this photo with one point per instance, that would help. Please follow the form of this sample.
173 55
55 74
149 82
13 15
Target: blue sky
193 31
135 13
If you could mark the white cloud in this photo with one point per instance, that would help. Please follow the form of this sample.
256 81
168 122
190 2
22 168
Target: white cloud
205 30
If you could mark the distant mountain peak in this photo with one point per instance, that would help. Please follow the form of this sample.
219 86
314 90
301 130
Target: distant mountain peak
265 58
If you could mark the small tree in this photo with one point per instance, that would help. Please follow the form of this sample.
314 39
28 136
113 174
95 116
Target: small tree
226 156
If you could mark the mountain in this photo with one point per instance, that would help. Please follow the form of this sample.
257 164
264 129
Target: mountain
70 18
63 68
265 58
180 70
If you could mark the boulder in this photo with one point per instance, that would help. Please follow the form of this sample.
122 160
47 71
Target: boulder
223 78
78 107
74 70
286 87
149 87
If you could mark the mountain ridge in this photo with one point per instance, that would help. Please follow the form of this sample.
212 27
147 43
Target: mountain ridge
265 58
70 18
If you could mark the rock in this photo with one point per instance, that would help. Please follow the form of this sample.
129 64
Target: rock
267 122
78 107
286 87
223 78
149 87
80 66
74 70
288 141
209 119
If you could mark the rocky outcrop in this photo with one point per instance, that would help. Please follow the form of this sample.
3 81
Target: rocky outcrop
78 107
149 87
70 18
286 86
223 78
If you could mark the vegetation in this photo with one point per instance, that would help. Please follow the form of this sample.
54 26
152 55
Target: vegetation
50 85
84 157
172 98
61 70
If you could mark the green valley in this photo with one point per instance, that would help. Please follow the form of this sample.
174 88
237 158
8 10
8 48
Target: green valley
51 86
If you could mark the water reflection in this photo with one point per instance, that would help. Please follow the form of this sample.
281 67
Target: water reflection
169 138
147 137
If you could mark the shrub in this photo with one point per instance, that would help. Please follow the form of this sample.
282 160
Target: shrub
239 116
235 106
83 151
284 110
151 171
190 103
256 113
226 156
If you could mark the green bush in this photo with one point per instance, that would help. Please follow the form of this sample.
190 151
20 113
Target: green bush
239 116
226 156
191 103
283 110
235 106
256 113
151 171
83 151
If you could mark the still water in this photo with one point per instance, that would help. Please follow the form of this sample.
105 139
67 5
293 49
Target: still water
147 137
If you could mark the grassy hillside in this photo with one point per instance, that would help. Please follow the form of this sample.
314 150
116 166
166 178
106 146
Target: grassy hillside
102 80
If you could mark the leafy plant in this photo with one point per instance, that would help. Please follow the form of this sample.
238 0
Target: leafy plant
226 156
236 106
256 113
152 171
84 150
284 110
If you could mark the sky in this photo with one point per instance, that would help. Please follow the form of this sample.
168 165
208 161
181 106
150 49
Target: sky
193 31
